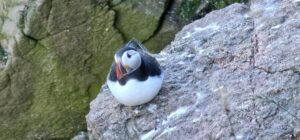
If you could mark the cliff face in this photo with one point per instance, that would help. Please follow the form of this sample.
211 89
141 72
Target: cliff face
57 56
234 74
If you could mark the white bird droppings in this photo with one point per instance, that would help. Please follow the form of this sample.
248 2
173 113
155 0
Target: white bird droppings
209 27
152 108
180 111
149 135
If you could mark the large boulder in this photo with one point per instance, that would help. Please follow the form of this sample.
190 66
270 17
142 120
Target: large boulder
232 75
59 52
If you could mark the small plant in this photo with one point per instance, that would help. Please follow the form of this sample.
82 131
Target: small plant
2 36
193 9
218 4
187 9
3 55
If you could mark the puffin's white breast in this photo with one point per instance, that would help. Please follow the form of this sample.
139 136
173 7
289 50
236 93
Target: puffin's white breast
136 92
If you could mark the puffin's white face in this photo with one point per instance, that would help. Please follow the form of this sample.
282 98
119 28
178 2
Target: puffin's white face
131 60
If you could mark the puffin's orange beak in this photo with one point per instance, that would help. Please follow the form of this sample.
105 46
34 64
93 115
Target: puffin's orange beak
119 72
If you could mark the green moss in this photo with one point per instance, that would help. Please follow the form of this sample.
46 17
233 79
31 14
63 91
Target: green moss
5 5
94 90
160 40
53 75
57 97
218 4
134 23
2 36
3 55
187 9
138 18
51 81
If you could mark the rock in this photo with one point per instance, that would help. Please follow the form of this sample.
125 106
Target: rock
169 26
158 27
227 76
58 56
178 14
139 19
163 37
54 57
147 21
189 10
36 20
81 136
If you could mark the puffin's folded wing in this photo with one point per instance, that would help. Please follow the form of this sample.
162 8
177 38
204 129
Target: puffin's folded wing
151 66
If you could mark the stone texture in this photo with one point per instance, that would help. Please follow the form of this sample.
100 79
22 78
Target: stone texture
54 68
227 76
178 14
81 136
190 10
139 19
169 26
37 17
59 53
152 22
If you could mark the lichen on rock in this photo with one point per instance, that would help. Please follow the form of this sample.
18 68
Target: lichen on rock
59 54
139 19
194 9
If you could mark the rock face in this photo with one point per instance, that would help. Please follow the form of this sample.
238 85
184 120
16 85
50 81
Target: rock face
144 14
234 74
59 53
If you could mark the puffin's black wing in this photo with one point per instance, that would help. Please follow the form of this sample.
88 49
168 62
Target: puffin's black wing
151 66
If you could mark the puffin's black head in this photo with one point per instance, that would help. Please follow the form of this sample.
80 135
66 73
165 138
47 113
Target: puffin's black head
128 58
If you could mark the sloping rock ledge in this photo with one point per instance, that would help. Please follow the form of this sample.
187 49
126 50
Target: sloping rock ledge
235 74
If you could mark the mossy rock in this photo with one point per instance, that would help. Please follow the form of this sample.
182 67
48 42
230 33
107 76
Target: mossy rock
3 55
163 37
61 52
218 4
187 9
53 74
193 9
139 19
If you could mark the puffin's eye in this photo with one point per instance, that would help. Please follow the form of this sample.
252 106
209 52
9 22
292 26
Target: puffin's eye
128 55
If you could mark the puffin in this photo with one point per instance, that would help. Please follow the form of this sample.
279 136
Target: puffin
135 77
